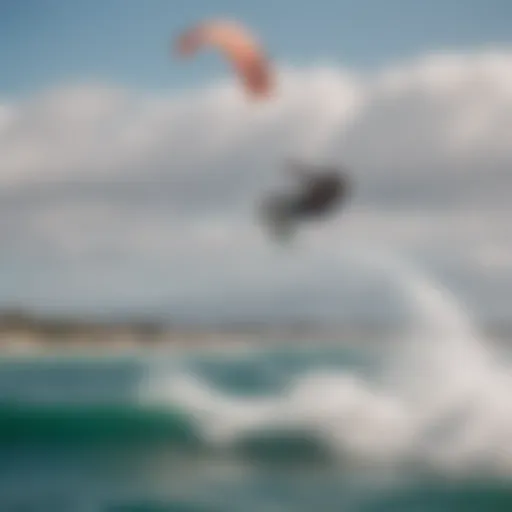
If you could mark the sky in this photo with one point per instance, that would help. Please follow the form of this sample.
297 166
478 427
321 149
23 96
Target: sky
126 41
129 181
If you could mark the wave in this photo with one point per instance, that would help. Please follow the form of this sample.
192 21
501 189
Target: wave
440 400
73 423
127 425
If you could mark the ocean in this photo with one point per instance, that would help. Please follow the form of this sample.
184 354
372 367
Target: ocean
419 423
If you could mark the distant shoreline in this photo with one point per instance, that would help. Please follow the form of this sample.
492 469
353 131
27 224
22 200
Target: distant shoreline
126 341
25 333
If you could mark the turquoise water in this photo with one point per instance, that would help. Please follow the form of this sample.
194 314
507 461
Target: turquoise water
316 428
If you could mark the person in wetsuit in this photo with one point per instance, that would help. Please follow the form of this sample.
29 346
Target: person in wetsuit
321 190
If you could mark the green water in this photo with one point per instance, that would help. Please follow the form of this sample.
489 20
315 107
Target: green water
87 435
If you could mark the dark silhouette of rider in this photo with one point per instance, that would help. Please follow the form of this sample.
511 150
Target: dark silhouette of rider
320 191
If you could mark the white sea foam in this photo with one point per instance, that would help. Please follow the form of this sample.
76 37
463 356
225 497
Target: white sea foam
442 399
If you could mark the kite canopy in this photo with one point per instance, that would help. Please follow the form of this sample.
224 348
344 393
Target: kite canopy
238 45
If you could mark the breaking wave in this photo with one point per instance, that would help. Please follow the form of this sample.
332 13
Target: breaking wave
439 401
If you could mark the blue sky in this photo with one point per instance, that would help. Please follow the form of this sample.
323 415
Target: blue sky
125 42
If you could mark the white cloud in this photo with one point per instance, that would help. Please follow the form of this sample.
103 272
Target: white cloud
144 198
